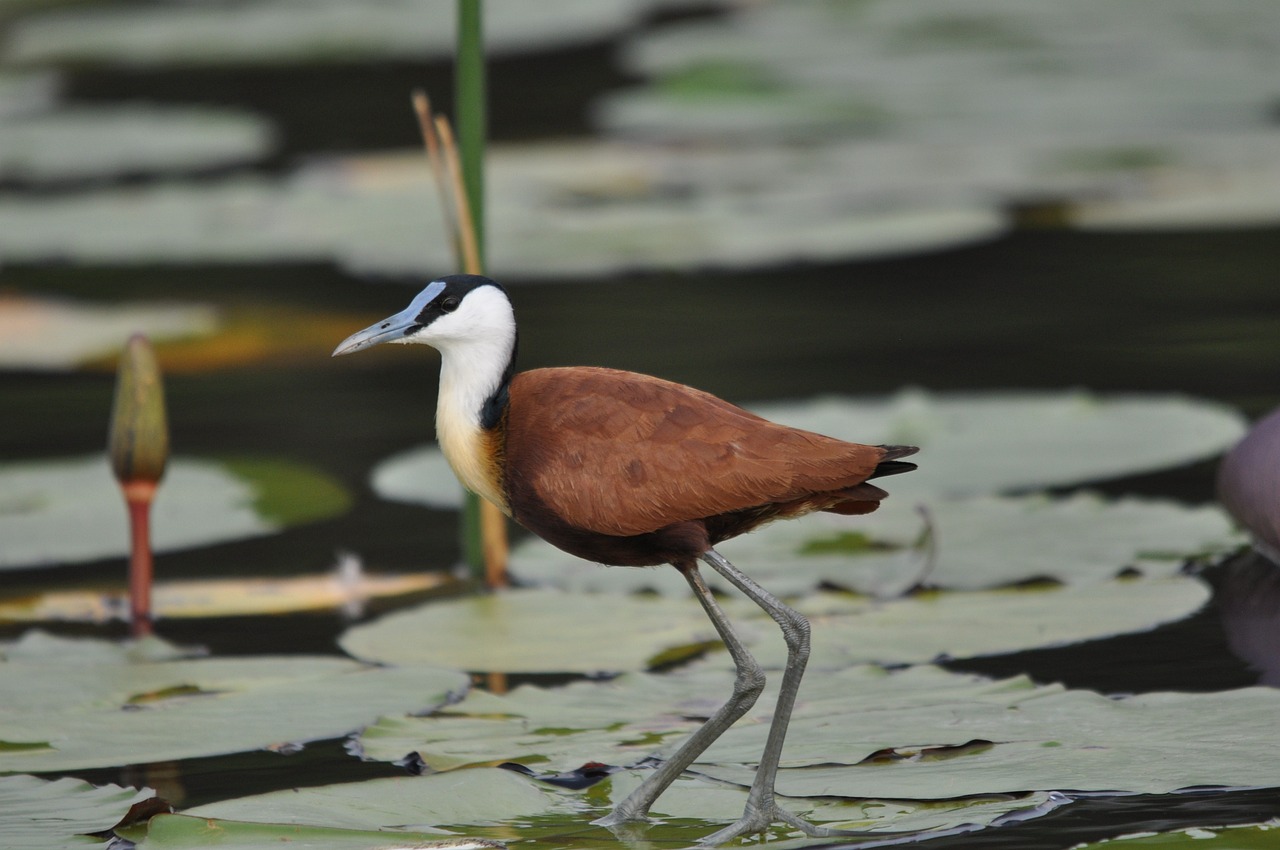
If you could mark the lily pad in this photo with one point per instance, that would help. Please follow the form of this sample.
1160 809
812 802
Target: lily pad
1001 442
347 589
1006 101
43 333
182 832
532 631
563 210
862 732
420 476
88 142
963 544
476 798
64 511
75 704
288 31
411 802
560 631
36 814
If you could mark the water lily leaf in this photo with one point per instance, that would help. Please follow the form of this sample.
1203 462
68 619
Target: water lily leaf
863 732
69 510
918 100
280 31
98 141
1254 836
1020 737
1001 442
222 597
532 631
562 631
182 832
967 544
420 476
466 800
698 799
74 704
465 797
45 333
36 814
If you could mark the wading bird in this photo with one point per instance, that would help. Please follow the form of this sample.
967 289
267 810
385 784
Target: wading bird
630 470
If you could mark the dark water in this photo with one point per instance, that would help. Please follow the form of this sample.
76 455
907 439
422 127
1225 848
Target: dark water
1188 312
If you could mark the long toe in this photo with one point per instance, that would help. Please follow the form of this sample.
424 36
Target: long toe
759 819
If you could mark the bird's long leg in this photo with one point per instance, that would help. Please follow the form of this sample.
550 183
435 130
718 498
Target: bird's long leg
761 809
747 686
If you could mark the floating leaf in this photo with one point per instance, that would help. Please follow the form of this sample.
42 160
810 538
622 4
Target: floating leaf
223 598
73 704
86 142
36 814
863 732
421 476
279 31
560 631
466 801
44 333
409 802
69 510
532 631
976 443
182 832
975 543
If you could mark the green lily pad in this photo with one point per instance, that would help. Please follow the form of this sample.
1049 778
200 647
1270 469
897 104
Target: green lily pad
285 31
419 476
964 544
42 333
476 798
69 510
75 704
97 141
411 802
183 832
560 631
862 732
532 631
36 814
975 443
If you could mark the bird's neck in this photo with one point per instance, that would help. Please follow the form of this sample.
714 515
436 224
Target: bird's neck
474 379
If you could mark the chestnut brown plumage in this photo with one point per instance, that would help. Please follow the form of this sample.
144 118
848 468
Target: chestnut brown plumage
631 470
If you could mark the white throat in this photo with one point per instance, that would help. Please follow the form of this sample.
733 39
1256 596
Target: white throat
475 345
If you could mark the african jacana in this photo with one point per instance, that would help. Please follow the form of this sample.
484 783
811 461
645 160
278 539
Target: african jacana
630 470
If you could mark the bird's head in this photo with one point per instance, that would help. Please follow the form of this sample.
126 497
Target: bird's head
452 311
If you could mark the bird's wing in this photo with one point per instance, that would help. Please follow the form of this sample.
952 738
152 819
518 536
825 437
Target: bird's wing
622 454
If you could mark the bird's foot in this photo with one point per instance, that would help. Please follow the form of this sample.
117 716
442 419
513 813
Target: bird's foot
760 818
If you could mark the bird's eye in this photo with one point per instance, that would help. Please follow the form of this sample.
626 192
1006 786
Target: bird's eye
448 305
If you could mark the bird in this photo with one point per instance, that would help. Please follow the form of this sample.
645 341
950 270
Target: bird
629 470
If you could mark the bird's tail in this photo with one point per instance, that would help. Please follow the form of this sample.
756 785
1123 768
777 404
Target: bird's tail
890 465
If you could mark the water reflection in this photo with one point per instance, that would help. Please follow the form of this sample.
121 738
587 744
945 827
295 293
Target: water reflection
1249 597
